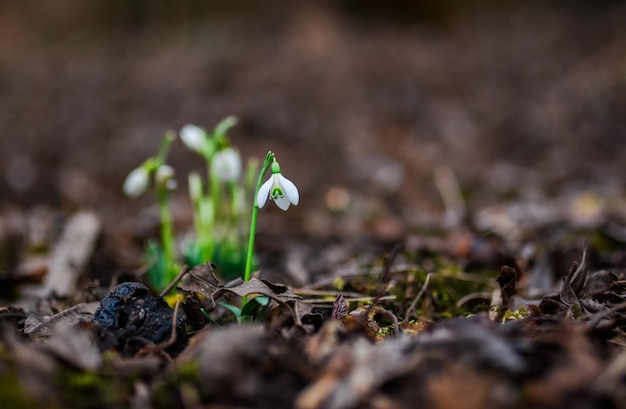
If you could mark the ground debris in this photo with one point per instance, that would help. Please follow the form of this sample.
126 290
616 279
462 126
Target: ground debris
130 318
552 356
243 365
37 327
71 254
348 350
518 141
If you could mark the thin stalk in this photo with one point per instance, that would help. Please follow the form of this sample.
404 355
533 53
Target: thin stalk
233 231
207 230
235 199
209 222
167 236
170 137
248 270
248 187
255 211
196 195
215 200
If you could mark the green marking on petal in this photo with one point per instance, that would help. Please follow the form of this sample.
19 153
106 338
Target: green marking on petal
277 192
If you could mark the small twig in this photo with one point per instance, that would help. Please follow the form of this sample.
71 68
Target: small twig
385 278
304 291
398 269
473 296
472 277
421 292
160 348
48 322
595 319
346 274
171 285
172 338
396 326
354 299
381 287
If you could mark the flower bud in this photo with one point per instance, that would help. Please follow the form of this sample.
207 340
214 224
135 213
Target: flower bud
136 183
165 177
193 137
226 165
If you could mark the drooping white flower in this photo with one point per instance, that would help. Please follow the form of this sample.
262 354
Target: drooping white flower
226 165
136 183
193 137
165 177
278 188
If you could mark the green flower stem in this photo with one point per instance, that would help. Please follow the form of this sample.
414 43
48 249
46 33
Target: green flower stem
233 232
269 158
207 244
196 196
170 137
214 198
167 236
248 271
235 199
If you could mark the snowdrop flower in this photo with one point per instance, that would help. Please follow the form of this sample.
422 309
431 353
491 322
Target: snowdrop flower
165 177
193 137
136 183
278 188
226 165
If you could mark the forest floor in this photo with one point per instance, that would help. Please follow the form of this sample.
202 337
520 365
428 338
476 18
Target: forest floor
460 240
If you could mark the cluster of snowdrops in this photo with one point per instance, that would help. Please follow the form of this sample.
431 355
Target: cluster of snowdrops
224 207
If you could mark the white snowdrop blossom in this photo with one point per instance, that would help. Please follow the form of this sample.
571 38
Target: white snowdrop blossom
136 183
226 165
278 188
193 137
165 177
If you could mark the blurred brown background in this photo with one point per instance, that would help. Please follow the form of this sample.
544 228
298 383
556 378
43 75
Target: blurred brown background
361 101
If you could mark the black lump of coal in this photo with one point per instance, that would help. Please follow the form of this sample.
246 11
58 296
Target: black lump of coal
130 318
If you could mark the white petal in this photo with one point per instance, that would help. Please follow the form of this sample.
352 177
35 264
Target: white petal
226 165
165 177
193 137
291 191
276 183
282 202
164 173
136 182
264 192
